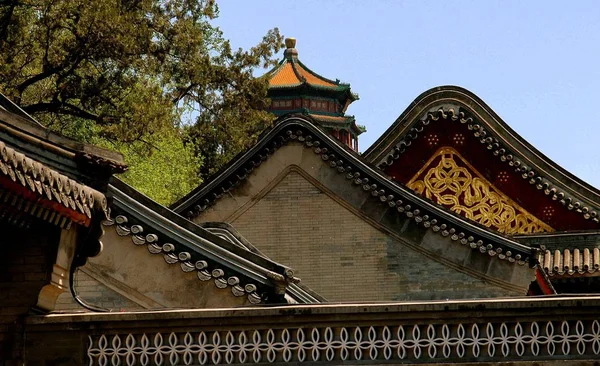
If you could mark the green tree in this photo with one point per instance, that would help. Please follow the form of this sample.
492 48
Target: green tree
166 172
124 71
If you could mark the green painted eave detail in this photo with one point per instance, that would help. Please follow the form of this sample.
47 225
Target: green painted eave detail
341 87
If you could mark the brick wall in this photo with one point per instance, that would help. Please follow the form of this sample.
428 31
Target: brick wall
341 256
25 267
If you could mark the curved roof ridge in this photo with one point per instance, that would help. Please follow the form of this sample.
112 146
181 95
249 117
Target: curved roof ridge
442 221
276 68
10 106
187 237
318 76
277 79
292 61
303 74
556 181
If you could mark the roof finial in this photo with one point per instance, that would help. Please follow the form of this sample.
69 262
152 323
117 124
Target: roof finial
290 42
290 51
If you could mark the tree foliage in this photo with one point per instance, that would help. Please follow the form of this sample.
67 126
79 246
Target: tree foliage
122 71
167 172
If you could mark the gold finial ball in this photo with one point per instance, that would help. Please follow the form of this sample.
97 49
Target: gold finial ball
290 42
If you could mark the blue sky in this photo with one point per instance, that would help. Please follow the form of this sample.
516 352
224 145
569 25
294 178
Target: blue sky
535 63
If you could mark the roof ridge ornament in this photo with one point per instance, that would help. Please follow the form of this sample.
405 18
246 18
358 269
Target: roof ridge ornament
290 51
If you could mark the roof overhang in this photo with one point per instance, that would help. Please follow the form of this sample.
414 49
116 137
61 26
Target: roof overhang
46 176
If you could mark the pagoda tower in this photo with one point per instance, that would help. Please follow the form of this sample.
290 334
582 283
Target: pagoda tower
294 88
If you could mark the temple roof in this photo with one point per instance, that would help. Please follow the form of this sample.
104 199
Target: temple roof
331 119
550 184
567 254
49 176
568 204
362 176
51 190
548 180
87 161
214 252
291 73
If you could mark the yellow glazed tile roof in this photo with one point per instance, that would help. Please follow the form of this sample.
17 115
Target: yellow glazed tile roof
291 73
285 75
311 78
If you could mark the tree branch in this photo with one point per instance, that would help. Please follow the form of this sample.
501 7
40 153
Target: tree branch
5 20
59 108
34 79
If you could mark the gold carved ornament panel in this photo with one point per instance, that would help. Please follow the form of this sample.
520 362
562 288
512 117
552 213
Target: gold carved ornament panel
451 181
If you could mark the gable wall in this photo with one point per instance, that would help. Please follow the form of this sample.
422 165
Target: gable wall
129 274
343 258
444 131
350 248
126 277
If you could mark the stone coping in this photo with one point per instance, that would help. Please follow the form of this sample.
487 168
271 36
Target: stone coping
521 306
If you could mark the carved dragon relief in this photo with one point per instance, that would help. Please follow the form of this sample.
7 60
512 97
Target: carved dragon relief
449 180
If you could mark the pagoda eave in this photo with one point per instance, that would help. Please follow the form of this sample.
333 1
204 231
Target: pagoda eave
338 122
305 90
341 90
